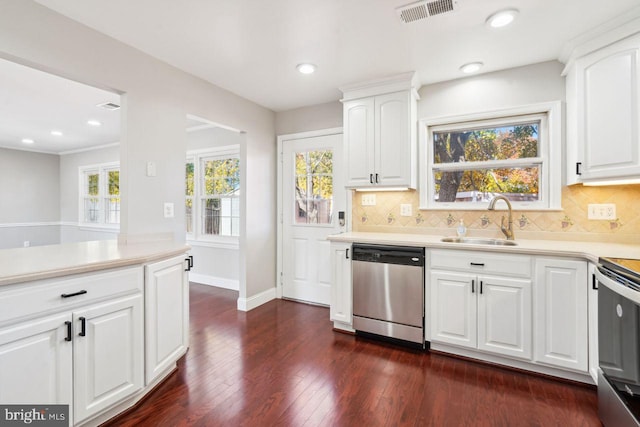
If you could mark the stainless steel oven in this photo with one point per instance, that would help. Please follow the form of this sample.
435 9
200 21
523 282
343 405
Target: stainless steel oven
619 341
388 291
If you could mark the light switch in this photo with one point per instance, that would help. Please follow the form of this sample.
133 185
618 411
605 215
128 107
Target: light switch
605 211
406 209
168 210
368 199
151 168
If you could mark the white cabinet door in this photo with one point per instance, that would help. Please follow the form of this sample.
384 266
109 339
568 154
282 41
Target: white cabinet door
608 101
36 362
108 354
453 308
341 291
166 315
359 140
561 313
504 316
393 140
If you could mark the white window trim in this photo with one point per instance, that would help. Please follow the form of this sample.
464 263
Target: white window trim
101 168
195 238
550 150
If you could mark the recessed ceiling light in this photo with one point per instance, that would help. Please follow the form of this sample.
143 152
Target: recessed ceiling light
94 123
502 18
56 133
27 141
471 67
306 68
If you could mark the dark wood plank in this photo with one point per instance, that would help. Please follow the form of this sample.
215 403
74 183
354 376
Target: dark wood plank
282 365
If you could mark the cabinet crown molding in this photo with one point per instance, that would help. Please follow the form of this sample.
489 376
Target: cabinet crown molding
380 86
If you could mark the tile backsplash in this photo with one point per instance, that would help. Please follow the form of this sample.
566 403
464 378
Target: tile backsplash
569 224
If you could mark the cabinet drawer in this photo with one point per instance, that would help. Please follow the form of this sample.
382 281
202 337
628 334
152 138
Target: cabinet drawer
25 300
482 262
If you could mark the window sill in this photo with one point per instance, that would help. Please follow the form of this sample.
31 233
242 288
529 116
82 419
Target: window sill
97 227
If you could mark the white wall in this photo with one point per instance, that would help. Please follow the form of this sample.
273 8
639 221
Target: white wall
29 198
316 117
156 99
70 231
517 86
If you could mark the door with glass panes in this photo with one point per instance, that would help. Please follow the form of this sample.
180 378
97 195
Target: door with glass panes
312 195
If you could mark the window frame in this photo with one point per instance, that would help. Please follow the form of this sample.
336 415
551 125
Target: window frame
102 169
549 154
197 238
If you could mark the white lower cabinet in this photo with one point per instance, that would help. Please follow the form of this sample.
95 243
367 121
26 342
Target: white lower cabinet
36 362
561 313
107 355
592 298
340 311
88 354
483 312
166 315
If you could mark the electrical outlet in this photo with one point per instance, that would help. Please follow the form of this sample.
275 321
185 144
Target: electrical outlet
605 211
405 209
168 210
26 243
368 199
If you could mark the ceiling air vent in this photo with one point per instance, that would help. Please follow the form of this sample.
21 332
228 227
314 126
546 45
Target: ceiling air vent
424 9
108 106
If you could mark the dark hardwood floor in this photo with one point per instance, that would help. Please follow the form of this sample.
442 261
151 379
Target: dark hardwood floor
282 365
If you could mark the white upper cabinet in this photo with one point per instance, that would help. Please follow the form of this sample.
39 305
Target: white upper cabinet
603 106
380 133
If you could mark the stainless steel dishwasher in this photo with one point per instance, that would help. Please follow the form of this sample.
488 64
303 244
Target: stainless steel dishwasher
388 291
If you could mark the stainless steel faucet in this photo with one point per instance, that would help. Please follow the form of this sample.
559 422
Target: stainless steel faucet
508 231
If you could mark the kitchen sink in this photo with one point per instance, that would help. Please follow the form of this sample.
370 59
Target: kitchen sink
479 241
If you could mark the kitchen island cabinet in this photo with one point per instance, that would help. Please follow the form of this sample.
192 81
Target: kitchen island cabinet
72 327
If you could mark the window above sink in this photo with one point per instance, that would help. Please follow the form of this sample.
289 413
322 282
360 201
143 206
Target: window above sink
468 160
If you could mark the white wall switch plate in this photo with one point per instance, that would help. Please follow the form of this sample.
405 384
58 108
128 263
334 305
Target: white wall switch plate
26 243
168 210
368 199
604 211
151 168
406 209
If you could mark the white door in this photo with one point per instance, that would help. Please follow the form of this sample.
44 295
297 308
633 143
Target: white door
108 354
453 308
36 362
504 316
166 315
312 195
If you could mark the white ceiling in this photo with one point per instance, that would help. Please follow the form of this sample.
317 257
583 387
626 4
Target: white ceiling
251 47
33 103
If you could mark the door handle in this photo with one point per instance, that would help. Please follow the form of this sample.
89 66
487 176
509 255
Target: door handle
473 286
83 326
480 286
377 182
75 294
69 332
347 253
370 178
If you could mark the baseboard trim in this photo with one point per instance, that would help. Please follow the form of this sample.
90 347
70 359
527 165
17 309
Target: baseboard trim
218 282
247 304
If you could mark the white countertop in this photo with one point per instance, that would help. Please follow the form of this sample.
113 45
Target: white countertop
586 250
42 262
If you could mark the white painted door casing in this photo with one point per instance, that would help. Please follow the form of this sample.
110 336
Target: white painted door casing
108 359
166 315
341 308
561 313
603 107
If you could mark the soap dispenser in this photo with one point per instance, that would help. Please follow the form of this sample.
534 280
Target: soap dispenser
462 230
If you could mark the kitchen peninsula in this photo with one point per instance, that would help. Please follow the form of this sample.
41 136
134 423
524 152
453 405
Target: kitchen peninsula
94 325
